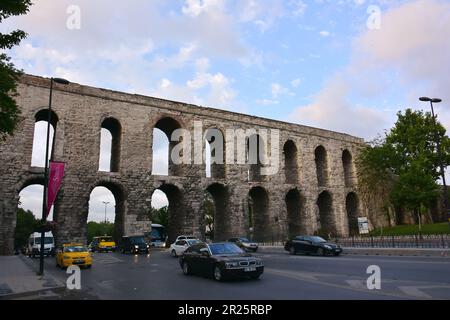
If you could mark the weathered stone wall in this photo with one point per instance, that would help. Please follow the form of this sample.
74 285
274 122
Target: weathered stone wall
81 111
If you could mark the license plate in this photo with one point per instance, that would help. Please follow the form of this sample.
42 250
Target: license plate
78 261
249 269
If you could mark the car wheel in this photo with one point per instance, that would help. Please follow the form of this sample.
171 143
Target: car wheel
89 266
218 274
337 254
186 269
320 252
292 250
174 253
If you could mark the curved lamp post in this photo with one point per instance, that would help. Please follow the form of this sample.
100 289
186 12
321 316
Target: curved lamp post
438 145
44 198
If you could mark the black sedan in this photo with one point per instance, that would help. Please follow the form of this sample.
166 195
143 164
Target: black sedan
312 245
221 261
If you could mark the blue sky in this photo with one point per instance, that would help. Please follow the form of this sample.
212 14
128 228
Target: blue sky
321 63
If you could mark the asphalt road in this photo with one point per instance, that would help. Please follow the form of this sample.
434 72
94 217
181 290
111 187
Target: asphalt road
158 276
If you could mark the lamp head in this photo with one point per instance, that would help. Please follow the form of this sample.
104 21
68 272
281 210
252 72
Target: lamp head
424 99
60 80
436 100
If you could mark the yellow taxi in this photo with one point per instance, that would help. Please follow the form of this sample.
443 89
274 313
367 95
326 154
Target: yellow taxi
103 244
73 254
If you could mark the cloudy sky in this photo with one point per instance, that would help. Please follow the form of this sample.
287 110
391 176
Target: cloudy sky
346 65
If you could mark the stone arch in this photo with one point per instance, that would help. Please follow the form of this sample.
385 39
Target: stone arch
290 162
326 221
349 168
112 125
321 166
176 208
120 197
222 214
295 212
259 216
216 140
168 124
44 116
352 208
255 152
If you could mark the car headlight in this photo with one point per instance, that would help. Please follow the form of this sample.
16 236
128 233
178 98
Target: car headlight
327 247
232 264
148 246
259 263
136 247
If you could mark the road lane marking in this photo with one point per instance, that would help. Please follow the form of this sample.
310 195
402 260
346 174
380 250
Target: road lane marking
416 291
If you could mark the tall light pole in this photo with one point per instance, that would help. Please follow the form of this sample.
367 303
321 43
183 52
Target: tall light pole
44 196
106 203
439 151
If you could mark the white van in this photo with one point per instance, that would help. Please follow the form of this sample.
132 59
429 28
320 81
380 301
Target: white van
34 244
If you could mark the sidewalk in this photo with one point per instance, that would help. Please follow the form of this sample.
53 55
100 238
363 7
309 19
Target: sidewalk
376 251
18 278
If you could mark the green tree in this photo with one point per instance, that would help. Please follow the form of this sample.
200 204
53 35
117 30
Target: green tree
160 216
9 111
25 225
403 167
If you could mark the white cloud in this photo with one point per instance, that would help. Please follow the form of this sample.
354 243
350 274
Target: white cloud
278 90
324 33
411 47
296 83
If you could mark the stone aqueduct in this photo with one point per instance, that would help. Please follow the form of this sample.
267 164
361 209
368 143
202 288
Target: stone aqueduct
314 189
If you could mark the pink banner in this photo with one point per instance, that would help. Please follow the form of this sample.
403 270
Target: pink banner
56 173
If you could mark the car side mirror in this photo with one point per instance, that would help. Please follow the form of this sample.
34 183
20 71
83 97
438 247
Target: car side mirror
204 252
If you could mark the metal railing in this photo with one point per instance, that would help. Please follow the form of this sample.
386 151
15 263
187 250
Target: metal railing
410 241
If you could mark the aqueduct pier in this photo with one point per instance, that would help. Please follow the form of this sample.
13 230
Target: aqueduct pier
313 191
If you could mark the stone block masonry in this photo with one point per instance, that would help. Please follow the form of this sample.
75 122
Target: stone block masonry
308 194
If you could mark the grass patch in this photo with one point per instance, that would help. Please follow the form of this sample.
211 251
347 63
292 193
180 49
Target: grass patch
411 229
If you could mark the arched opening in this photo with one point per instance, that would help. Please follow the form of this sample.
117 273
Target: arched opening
169 200
162 146
214 154
254 155
258 217
106 211
349 169
326 222
295 213
321 166
290 162
110 139
217 213
29 211
31 196
40 137
351 205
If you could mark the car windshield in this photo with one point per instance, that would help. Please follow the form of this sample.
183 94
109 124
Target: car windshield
137 240
317 239
244 240
75 249
192 241
224 248
47 240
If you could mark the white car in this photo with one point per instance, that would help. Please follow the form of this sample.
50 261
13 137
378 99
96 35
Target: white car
185 237
178 247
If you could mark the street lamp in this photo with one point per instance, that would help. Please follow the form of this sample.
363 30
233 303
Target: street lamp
44 196
106 203
438 145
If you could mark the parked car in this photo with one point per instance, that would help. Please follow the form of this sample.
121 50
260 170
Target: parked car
222 260
178 247
185 237
134 244
245 244
73 254
34 244
312 245
103 244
